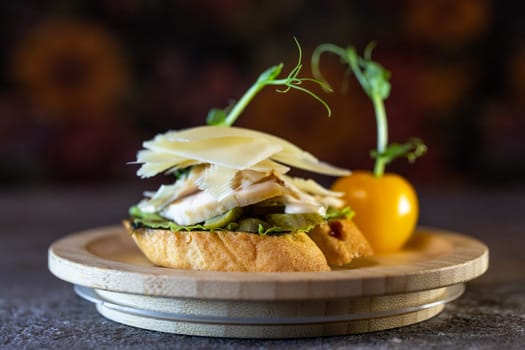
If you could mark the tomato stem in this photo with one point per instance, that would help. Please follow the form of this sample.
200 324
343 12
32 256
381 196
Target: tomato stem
374 79
382 135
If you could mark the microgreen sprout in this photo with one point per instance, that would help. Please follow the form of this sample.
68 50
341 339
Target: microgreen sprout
374 79
228 115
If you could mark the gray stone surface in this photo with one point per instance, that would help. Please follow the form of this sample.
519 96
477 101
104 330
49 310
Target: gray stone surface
38 311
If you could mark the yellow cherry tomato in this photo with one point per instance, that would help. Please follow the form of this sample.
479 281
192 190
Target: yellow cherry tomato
386 208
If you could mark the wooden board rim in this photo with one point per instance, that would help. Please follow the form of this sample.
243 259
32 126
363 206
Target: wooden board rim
68 259
217 314
270 319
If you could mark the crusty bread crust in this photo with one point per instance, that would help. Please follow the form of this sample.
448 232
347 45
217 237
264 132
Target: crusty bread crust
229 251
341 241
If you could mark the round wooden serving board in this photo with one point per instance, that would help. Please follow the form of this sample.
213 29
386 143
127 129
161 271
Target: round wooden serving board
370 294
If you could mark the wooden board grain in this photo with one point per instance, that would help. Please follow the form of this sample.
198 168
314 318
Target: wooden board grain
107 259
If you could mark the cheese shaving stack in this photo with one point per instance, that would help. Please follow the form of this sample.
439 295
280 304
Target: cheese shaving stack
230 167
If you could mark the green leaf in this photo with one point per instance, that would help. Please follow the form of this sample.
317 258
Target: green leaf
273 231
271 73
216 116
377 78
135 212
167 225
412 149
344 213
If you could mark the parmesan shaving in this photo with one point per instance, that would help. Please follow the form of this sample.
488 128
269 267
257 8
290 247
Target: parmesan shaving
234 152
230 147
310 186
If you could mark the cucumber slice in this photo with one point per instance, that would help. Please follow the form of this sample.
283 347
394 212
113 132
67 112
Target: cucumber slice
252 225
222 220
295 221
269 206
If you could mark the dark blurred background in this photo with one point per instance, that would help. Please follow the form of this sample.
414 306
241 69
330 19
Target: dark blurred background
83 83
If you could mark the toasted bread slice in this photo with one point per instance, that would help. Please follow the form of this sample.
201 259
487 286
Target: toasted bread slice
229 251
341 241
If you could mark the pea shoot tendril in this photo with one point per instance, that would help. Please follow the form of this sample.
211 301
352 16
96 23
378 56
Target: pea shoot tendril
227 116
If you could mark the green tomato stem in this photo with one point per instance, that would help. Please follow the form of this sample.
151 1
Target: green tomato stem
374 79
382 135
